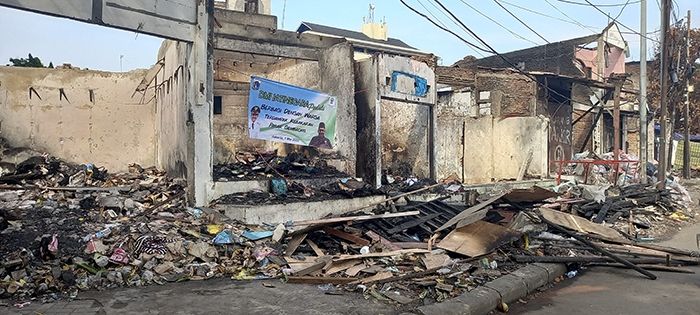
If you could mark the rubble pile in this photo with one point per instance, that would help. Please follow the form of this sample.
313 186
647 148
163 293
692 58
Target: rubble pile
264 165
424 252
68 227
77 227
286 191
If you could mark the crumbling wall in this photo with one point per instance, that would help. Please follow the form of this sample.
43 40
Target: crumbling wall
81 116
495 149
510 94
172 114
451 111
405 138
405 115
368 131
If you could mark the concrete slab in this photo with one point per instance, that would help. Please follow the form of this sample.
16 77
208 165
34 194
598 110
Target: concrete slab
553 270
510 287
220 189
280 213
533 276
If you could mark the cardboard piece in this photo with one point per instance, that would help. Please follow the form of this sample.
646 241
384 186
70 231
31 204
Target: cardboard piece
478 238
580 224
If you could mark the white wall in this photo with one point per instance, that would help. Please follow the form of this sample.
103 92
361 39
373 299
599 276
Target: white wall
113 129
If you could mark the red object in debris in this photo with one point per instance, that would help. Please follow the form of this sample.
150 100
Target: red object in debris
119 256
53 246
90 247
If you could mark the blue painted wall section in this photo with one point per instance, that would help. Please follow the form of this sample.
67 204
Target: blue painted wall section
420 83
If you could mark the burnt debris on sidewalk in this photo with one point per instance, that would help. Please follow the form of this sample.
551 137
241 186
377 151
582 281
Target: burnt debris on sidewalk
69 227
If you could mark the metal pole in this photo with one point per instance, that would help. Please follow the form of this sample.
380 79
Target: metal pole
663 161
643 124
686 113
616 122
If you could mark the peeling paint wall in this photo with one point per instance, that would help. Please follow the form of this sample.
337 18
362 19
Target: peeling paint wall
495 149
451 111
405 114
108 127
171 117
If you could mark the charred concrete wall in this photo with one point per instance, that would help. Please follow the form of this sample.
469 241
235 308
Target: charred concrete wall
172 116
395 101
82 116
368 114
408 94
332 73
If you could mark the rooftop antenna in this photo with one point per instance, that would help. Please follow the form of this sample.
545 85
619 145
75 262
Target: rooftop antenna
370 18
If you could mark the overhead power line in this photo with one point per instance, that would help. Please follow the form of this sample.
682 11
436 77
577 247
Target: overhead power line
445 28
478 52
618 22
600 5
622 10
513 66
521 21
549 16
570 18
499 24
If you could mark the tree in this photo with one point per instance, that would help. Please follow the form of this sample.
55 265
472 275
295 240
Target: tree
31 61
680 66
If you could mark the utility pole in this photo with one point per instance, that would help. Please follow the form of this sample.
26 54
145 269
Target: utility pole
643 124
665 49
686 113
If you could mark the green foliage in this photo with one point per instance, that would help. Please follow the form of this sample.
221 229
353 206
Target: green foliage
31 62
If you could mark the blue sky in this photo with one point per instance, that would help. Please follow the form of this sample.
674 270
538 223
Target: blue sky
95 47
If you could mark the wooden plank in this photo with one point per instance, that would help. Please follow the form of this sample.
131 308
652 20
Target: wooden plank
432 261
266 49
336 267
377 277
319 280
357 218
466 213
411 245
315 248
346 236
385 254
647 267
377 238
316 266
354 270
294 243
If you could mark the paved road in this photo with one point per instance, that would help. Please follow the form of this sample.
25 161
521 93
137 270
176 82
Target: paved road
617 291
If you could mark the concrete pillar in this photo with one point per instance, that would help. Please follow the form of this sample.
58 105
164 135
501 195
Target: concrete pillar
200 99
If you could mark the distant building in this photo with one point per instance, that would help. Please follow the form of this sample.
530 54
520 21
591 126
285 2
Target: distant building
372 39
596 56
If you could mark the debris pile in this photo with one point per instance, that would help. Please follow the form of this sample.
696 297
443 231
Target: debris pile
265 165
68 227
424 252
285 191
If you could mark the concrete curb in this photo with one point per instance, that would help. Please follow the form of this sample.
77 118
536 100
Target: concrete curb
507 289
